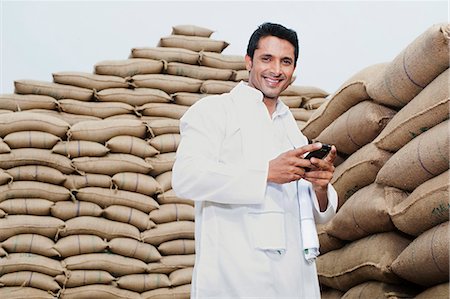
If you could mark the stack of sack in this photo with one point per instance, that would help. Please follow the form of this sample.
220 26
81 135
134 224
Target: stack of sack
86 204
390 125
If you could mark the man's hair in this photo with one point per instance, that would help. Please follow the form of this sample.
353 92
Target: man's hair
272 29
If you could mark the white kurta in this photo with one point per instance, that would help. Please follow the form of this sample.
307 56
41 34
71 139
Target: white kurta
247 231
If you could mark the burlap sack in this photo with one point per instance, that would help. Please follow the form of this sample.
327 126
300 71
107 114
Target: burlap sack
380 290
18 102
74 181
193 43
133 97
163 110
328 293
165 180
166 142
143 282
98 291
97 109
348 95
306 91
181 292
163 126
426 207
69 118
422 158
131 145
79 244
186 98
66 210
359 170
166 54
313 103
136 182
301 114
170 263
292 101
29 279
168 83
88 80
39 173
217 86
161 163
181 276
241 75
427 109
356 127
198 72
128 67
128 215
327 242
4 148
170 197
440 291
103 130
27 206
222 61
104 228
300 124
172 212
367 259
24 292
135 249
425 261
15 262
168 231
177 247
106 197
191 30
124 116
55 90
28 121
30 243
5 177
79 278
80 148
412 69
111 164
32 189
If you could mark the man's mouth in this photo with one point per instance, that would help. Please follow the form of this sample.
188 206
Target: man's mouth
273 81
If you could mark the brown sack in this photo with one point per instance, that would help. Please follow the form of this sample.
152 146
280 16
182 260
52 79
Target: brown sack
136 182
28 121
74 181
181 276
161 163
327 242
162 125
163 110
135 249
222 61
80 148
292 101
166 142
98 291
313 103
177 247
193 43
31 189
19 102
301 114
79 278
5 177
79 244
29 224
30 243
143 282
172 212
198 72
27 206
380 290
241 75
128 67
97 109
24 292
166 54
133 97
30 279
306 91
170 263
128 215
55 90
70 118
111 164
440 291
4 148
88 80
181 292
186 98
217 86
39 173
168 83
170 197
66 210
168 231
30 262
191 30
165 180
125 144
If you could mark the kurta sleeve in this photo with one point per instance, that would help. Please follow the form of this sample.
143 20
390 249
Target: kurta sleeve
325 216
198 172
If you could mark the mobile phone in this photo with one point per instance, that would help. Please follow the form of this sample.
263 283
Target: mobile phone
320 153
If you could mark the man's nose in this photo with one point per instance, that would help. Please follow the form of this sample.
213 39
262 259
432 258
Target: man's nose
275 68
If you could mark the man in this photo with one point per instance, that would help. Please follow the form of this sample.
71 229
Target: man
241 160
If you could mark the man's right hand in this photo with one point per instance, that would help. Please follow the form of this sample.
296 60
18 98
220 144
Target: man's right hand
290 166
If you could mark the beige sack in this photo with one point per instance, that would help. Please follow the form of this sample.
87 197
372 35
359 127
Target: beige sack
161 125
170 197
80 148
143 282
292 101
328 293
39 173
18 102
32 189
97 109
241 75
78 278
306 91
172 212
24 292
177 247
30 262
74 181
327 242
28 121
66 210
69 118
166 142
168 231
129 215
186 98
27 206
111 164
165 180
30 279
191 30
222 61
181 292
98 291
380 290
170 263
217 86
193 43
136 182
440 291
128 67
29 224
166 54
164 110
181 276
168 83
313 103
79 244
131 145
4 148
5 177
133 97
301 114
88 80
161 163
198 72
135 249
55 90
30 243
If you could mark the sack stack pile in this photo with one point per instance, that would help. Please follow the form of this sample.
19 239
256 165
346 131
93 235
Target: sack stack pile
390 125
86 204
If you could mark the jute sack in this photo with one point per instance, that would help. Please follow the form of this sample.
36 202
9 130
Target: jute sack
180 292
366 212
425 261
191 30
181 276
5 177
440 291
30 279
186 98
27 121
422 158
367 259
161 163
327 242
414 68
133 97
306 91
80 148
313 103
166 54
165 180
426 207
69 118
359 170
193 43
98 291
128 67
19 102
106 197
34 139
348 95
2 215
143 282
39 173
32 189
380 290
170 197
160 126
172 212
222 61
300 124
30 243
427 109
97 109
135 249
66 210
168 83
198 72
124 116
168 231
177 247
55 90
88 80
136 182
103 130
292 101
128 215
104 228
27 206
301 114
131 145
329 293
15 262
79 244
111 164
4 148
79 278
35 156
115 264
356 127
241 75
74 181
170 263
166 142
24 292
217 86
29 224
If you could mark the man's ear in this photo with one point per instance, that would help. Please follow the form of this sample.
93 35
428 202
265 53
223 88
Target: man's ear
248 62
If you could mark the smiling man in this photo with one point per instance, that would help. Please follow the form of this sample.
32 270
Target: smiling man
241 159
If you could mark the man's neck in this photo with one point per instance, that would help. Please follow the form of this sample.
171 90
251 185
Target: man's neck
271 105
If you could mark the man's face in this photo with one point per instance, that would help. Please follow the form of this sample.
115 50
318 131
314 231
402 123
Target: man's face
272 66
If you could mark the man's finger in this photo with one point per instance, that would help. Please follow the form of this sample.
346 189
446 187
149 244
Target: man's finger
298 152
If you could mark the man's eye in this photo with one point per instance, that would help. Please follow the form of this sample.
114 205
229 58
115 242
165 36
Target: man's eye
265 59
287 62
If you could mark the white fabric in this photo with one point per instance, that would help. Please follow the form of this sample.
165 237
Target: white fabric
248 238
